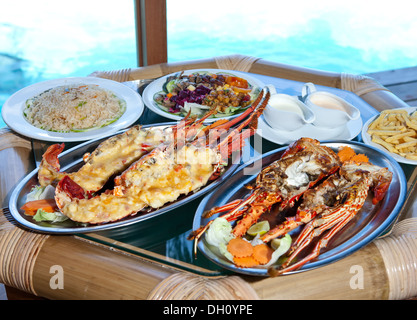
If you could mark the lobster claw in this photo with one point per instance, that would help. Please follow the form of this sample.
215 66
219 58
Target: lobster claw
380 190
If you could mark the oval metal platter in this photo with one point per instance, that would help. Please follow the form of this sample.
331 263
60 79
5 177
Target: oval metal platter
71 160
370 222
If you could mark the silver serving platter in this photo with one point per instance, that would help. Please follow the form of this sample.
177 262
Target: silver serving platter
370 222
71 160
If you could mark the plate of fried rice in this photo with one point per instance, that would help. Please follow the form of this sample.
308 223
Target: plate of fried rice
72 109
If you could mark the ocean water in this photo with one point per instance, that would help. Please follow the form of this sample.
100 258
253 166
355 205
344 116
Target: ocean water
42 39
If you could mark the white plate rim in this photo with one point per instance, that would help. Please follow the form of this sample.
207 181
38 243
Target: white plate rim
12 110
353 128
367 138
156 86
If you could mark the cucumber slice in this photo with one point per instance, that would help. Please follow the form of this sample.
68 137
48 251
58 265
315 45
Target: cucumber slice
169 86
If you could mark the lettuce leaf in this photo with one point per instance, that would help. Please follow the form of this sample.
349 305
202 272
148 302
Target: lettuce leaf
42 215
39 193
219 232
283 247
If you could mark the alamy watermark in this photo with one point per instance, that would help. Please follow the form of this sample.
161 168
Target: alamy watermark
57 279
228 145
357 280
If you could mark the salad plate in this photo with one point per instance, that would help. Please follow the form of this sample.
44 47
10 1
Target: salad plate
191 96
13 108
370 222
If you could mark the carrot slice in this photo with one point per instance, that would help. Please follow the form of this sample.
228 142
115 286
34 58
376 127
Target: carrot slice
239 248
245 262
47 205
262 253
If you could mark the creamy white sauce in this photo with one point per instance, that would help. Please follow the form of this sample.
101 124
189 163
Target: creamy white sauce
327 102
285 104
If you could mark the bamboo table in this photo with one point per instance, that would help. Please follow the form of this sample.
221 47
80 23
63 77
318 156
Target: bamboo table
113 265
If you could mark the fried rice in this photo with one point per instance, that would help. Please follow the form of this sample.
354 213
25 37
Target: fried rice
72 108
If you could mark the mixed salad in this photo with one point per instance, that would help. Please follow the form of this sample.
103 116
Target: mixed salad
201 92
249 251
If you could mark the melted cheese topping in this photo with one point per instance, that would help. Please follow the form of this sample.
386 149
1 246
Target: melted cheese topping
165 176
115 155
156 179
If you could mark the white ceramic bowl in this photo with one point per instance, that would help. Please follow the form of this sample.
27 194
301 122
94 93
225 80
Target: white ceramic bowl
285 112
330 110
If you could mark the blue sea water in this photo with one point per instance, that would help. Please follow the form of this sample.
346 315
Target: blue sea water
41 40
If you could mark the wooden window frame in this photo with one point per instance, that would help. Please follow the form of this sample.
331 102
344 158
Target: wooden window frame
151 32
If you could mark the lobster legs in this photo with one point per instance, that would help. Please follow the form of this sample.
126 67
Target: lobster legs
331 220
333 204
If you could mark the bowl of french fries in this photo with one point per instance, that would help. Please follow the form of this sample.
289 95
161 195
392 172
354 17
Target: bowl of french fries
395 131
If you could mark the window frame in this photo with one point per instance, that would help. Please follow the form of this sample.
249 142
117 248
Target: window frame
151 32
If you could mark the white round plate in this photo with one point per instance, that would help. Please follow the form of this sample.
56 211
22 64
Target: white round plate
368 140
347 132
156 86
12 111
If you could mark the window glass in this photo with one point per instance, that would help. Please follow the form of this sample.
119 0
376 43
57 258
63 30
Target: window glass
353 36
41 40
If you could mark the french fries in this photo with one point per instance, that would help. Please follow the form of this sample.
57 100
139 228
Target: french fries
396 131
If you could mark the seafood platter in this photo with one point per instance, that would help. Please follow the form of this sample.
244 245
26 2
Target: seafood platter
306 205
291 219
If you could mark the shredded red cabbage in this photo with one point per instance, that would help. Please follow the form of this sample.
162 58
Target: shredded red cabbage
186 95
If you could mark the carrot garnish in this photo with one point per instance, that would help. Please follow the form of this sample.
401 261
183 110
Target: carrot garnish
262 253
240 248
346 153
245 262
360 158
47 205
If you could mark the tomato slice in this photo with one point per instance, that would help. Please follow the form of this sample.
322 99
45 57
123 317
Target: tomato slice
243 90
237 82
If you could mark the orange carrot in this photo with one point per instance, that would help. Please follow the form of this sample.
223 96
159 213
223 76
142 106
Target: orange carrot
360 158
345 153
240 248
262 253
245 262
47 205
